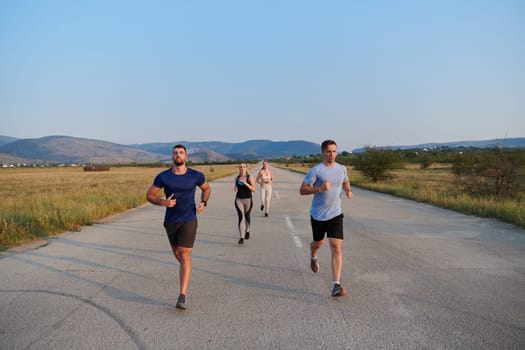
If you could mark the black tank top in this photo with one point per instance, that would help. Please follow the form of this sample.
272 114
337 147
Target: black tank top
242 190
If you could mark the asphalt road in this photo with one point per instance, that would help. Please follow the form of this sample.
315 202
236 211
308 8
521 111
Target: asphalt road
418 277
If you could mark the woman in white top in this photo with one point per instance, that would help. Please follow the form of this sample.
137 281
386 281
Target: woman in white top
265 179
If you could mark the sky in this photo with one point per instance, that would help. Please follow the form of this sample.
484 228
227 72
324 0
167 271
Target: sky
363 73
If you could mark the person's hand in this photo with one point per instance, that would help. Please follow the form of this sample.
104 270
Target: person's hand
200 208
326 186
349 194
170 201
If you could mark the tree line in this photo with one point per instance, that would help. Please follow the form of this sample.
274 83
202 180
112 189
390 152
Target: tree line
495 172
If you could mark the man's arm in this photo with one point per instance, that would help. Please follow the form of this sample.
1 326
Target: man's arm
347 189
206 191
307 189
153 197
205 195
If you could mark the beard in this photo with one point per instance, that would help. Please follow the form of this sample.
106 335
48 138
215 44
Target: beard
178 162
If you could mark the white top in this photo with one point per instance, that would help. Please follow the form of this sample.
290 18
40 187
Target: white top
326 205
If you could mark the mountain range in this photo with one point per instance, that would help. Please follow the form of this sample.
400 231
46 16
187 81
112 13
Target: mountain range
517 142
67 149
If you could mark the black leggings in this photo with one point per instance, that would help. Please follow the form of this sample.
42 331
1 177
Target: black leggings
244 208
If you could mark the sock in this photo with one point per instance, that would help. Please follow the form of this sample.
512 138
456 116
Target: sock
335 282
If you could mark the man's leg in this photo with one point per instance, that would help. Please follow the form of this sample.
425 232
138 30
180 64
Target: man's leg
314 248
183 255
336 246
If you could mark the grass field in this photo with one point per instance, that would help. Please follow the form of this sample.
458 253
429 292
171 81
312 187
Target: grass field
436 185
38 202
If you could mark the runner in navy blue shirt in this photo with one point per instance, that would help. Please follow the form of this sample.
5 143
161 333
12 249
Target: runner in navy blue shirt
179 184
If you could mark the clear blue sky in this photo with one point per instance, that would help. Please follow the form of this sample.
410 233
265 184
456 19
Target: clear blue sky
360 72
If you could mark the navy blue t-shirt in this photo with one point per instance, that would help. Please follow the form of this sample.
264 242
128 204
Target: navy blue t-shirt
183 187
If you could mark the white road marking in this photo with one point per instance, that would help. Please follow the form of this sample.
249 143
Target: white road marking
291 229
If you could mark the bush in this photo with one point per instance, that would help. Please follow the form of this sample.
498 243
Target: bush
376 164
498 173
425 161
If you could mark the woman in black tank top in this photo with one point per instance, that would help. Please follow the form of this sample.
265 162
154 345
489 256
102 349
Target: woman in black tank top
244 186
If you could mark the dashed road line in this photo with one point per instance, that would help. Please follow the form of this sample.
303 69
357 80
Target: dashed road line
291 230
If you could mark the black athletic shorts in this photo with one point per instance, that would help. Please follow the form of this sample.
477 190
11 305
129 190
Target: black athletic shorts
181 233
333 228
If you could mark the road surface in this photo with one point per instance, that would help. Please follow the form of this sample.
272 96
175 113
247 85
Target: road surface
418 277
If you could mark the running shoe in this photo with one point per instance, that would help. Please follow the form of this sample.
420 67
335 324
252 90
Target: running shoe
241 240
247 235
180 302
338 291
314 265
262 207
266 214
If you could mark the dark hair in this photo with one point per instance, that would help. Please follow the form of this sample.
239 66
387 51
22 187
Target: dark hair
327 143
180 146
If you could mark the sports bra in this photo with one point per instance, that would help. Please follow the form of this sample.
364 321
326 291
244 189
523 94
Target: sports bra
266 178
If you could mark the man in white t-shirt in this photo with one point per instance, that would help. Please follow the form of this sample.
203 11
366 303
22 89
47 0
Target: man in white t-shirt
325 181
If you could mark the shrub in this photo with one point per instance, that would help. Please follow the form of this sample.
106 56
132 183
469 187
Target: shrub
376 164
498 173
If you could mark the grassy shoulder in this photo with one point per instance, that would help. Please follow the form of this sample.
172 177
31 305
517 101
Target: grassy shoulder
435 185
40 202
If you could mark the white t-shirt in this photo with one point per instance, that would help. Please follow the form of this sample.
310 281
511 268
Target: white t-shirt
326 205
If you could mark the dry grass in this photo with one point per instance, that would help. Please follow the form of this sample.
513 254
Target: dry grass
435 185
38 202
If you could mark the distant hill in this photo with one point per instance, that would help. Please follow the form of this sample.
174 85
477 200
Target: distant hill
253 149
518 142
66 149
4 140
9 159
